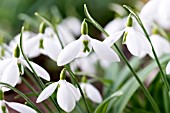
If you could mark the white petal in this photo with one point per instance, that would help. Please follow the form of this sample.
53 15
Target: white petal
92 93
113 38
168 68
2 103
20 107
38 69
74 91
160 45
3 64
69 53
136 43
51 48
164 9
65 98
48 91
151 8
31 46
104 51
11 74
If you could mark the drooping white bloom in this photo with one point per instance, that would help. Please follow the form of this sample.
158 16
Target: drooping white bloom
16 106
11 68
91 92
136 42
160 44
45 44
67 94
82 47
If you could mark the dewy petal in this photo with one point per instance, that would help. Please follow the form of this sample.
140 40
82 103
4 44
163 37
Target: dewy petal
65 98
113 38
69 53
47 92
20 107
104 51
74 91
92 93
51 49
11 74
160 45
38 69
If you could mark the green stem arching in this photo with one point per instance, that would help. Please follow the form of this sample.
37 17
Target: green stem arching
42 85
163 76
143 87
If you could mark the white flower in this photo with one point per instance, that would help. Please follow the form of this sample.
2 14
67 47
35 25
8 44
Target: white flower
82 47
67 94
160 44
11 68
91 92
16 106
41 43
136 42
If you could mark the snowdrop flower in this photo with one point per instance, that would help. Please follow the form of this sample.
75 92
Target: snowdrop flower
16 106
67 94
42 43
136 42
91 92
15 65
157 8
83 46
160 44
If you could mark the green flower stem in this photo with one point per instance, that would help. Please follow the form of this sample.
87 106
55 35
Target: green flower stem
163 76
35 92
75 80
42 85
145 90
23 96
66 66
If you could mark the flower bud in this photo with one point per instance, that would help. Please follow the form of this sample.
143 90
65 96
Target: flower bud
42 27
63 74
84 28
129 22
17 51
84 79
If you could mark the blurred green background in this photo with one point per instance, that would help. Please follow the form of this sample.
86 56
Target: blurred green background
11 19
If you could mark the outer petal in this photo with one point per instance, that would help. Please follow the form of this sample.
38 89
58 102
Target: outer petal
164 9
20 107
31 46
168 68
38 69
113 38
51 48
69 53
74 91
92 93
65 98
104 51
136 43
3 64
11 74
151 8
160 45
48 91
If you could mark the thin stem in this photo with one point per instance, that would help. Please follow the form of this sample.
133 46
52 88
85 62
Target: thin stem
163 76
35 92
42 85
145 90
143 87
23 96
75 80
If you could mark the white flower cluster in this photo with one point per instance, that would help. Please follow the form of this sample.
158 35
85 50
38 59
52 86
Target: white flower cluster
47 43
